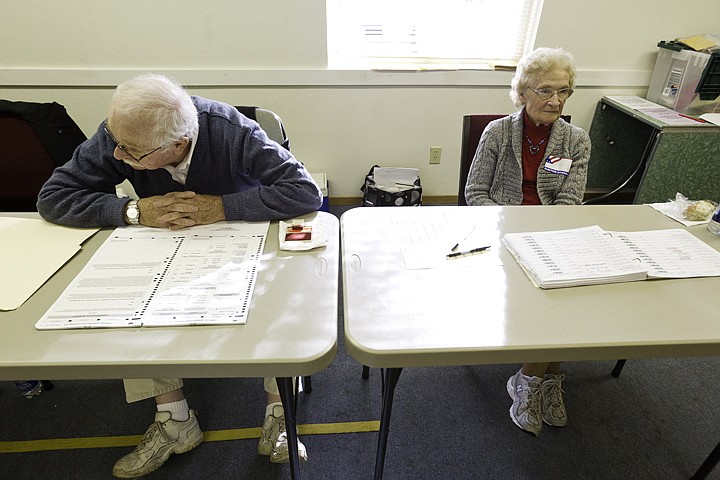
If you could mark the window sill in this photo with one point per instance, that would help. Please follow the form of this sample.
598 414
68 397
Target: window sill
50 77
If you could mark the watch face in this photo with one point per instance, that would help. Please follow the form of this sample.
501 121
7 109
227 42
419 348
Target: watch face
133 213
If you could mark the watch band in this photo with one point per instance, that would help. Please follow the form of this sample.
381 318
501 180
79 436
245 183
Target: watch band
132 212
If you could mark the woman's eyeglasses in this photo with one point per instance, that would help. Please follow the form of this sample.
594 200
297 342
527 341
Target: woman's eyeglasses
123 148
547 93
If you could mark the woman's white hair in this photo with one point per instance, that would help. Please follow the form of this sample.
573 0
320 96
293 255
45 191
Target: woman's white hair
538 62
158 105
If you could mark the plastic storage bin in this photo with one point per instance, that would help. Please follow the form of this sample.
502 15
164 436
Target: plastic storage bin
677 76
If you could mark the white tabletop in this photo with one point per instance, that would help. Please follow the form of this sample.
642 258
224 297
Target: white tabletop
291 329
398 317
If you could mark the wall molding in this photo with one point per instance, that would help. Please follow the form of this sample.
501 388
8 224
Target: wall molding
109 78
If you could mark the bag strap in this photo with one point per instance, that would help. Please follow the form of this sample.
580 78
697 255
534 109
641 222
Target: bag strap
372 170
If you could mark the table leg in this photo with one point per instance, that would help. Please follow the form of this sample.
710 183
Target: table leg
618 368
288 397
710 462
307 384
390 379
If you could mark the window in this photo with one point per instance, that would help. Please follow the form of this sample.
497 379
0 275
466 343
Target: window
430 34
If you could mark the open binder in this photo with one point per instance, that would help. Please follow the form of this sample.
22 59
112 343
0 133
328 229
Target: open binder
592 256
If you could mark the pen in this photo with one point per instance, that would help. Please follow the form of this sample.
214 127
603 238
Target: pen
468 252
466 237
692 118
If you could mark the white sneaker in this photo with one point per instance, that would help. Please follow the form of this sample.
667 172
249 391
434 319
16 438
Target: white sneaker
273 438
526 394
554 413
163 438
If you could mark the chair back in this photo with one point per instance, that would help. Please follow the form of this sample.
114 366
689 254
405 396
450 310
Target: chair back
269 122
473 128
34 139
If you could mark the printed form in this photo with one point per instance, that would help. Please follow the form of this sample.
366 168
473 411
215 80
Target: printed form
426 240
143 276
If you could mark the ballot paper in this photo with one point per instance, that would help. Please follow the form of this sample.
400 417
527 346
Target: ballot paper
143 276
658 112
432 240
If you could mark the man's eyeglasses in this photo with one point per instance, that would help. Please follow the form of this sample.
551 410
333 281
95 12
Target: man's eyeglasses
547 93
123 148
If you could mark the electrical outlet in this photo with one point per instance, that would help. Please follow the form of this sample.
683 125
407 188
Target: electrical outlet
435 154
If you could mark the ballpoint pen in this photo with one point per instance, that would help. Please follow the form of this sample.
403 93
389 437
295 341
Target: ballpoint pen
701 120
465 238
467 252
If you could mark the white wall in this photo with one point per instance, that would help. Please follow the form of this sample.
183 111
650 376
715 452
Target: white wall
272 53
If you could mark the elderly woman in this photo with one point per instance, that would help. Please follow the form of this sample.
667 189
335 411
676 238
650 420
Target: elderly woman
533 157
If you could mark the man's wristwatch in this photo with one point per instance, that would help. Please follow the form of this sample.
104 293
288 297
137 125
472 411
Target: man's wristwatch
132 212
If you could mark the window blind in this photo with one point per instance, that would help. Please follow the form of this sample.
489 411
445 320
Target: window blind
381 33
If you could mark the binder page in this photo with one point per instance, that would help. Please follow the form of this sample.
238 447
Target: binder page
564 258
672 253
157 277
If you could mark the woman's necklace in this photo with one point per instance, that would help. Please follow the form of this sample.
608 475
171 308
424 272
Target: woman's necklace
534 149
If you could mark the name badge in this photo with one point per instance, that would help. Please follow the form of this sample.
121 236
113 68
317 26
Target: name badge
558 165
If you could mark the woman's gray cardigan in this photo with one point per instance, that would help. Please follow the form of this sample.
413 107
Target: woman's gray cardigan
495 177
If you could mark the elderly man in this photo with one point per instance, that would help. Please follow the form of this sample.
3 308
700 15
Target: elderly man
192 161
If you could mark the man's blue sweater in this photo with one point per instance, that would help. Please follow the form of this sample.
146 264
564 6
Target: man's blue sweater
257 178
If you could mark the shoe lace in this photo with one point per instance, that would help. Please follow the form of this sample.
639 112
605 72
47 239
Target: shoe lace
533 398
553 390
282 431
148 437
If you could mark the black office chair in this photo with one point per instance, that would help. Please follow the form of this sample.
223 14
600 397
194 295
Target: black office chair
34 139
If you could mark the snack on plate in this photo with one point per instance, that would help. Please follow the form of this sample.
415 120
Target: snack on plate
298 232
700 210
